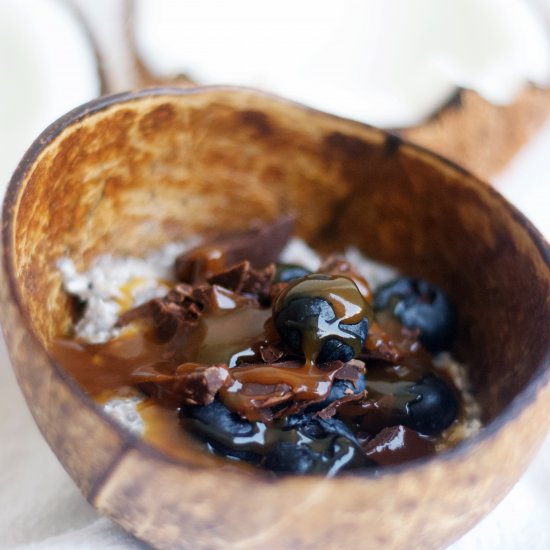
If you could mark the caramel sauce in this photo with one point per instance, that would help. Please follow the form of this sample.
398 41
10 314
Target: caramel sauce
349 306
137 357
340 292
341 267
230 333
202 262
127 291
300 382
224 334
129 360
163 430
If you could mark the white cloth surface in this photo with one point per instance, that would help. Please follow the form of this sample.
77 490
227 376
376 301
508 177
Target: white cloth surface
40 507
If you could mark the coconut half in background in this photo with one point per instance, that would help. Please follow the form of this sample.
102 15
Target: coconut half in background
48 65
464 78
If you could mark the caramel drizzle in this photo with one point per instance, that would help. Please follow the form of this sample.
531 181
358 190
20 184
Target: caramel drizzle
229 334
136 358
291 380
345 299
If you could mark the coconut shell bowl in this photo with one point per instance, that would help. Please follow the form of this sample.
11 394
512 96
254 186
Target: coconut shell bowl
128 173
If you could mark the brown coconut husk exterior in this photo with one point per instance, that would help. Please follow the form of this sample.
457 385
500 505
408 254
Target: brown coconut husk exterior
479 135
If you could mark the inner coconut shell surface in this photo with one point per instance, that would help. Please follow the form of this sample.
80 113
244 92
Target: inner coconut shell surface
126 174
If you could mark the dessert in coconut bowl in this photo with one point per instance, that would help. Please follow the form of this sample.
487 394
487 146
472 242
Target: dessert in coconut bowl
163 183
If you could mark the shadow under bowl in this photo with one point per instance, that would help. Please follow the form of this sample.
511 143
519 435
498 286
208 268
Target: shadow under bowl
128 173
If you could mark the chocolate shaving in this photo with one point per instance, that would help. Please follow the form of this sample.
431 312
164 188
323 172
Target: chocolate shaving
232 278
203 295
259 282
271 352
380 347
191 384
384 353
336 370
170 318
179 294
201 386
242 278
268 396
350 370
167 313
275 290
330 410
174 313
334 264
261 245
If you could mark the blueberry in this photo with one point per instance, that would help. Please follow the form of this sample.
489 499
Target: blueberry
220 428
217 417
316 446
427 404
420 305
285 273
314 427
300 444
335 350
334 426
292 458
324 317
435 407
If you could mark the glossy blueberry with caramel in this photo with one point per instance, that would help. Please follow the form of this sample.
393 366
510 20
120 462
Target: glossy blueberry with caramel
324 317
426 403
300 444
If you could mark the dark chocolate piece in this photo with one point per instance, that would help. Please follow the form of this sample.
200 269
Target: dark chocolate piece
260 245
396 445
242 278
170 318
179 294
271 352
232 278
191 384
332 408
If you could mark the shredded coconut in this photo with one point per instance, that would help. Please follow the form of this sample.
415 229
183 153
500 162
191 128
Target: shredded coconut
124 411
298 252
113 284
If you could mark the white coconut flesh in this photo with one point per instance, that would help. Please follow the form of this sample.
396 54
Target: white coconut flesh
47 67
389 63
